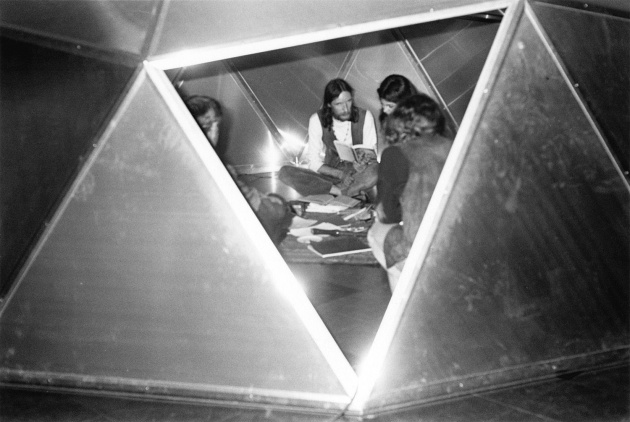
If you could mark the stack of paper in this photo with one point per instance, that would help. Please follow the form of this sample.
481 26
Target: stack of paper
328 203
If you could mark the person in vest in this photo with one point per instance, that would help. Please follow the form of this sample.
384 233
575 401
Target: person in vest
337 120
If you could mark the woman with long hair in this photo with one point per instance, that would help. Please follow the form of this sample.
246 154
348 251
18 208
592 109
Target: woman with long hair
408 172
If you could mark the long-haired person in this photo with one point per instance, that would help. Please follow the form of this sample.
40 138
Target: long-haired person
408 172
391 91
338 119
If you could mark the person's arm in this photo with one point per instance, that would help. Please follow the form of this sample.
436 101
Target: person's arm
251 194
364 156
316 150
315 143
369 131
331 171
393 172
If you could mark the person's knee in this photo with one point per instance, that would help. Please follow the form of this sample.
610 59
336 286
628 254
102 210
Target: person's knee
376 239
289 175
370 175
373 240
364 180
284 172
392 277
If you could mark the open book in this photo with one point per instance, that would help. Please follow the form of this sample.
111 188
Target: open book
351 153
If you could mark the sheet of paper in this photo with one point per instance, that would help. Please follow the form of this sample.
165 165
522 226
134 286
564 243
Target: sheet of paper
344 201
325 209
322 199
300 222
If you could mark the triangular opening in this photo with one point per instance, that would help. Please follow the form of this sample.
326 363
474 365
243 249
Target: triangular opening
267 100
90 247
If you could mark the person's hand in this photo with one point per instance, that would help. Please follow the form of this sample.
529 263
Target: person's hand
339 174
365 156
346 178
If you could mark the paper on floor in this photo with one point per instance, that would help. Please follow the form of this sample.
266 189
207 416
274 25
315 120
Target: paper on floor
306 231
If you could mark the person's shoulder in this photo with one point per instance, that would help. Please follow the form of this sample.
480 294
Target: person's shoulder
441 142
392 153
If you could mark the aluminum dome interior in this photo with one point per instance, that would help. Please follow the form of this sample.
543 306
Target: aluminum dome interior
121 264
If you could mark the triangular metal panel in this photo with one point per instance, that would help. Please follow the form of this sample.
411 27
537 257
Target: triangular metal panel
598 60
119 25
155 278
452 54
47 129
525 274
198 31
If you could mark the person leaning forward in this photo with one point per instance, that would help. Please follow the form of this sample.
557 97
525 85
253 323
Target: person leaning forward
337 120
408 173
272 210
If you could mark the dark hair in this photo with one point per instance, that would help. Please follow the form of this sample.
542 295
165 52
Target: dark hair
198 105
403 121
333 89
393 89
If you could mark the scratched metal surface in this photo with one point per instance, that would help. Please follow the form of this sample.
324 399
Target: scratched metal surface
528 271
119 25
47 131
147 283
598 61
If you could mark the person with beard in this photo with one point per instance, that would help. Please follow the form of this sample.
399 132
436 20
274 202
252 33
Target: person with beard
339 119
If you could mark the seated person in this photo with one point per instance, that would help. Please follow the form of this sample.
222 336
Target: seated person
409 169
337 120
391 91
272 210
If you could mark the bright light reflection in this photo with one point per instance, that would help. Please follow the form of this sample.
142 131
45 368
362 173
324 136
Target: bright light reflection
274 182
294 145
365 360
291 141
273 155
